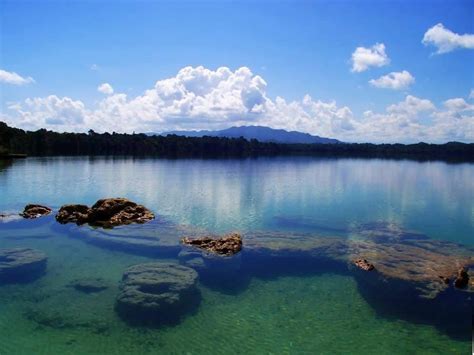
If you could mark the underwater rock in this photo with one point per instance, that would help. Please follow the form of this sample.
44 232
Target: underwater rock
89 285
405 261
73 214
21 264
156 293
364 265
159 238
462 278
34 211
228 245
106 213
59 319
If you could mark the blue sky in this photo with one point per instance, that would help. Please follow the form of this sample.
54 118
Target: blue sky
298 48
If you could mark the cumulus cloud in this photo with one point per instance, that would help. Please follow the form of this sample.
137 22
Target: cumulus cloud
394 80
105 88
50 112
471 94
14 78
446 40
200 98
364 58
458 105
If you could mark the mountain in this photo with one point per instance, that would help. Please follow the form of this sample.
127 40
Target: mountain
262 134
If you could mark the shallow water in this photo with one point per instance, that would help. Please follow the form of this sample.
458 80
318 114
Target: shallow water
294 309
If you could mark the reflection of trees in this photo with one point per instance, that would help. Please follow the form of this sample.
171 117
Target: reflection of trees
5 164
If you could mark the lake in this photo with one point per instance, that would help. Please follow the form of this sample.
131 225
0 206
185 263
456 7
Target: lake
283 298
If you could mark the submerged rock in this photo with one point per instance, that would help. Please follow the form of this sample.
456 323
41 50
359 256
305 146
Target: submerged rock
21 264
107 213
34 211
364 265
228 245
462 278
407 263
89 285
155 293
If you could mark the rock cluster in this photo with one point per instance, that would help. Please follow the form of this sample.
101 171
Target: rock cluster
34 211
20 264
106 213
228 245
156 293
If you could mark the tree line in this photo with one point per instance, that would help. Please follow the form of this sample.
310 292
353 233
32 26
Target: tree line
43 142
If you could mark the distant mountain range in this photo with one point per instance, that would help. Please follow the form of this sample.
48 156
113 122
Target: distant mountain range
262 134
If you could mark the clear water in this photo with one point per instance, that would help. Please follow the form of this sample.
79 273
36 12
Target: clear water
283 313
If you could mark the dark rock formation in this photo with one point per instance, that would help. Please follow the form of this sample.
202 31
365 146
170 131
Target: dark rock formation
462 278
156 293
228 245
35 211
21 264
364 265
89 285
106 213
78 214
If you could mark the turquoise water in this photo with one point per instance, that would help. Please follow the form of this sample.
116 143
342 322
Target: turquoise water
278 313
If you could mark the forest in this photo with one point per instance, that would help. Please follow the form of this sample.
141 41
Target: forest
46 143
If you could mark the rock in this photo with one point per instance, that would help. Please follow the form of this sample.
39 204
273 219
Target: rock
228 245
118 211
462 278
34 211
155 293
89 285
21 264
364 265
106 213
73 214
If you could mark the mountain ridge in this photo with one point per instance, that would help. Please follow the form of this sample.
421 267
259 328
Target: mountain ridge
260 133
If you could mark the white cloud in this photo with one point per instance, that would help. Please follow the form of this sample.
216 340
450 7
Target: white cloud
14 78
411 106
105 88
95 67
446 40
471 94
200 98
394 80
458 105
363 58
50 112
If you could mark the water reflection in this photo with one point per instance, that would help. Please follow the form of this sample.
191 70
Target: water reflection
225 195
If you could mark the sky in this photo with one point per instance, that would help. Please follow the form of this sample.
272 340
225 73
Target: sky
358 71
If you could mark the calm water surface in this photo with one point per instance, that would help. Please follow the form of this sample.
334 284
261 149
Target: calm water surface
312 313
